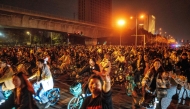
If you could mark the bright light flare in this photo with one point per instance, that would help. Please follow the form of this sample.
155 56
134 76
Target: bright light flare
1 35
176 45
121 22
142 16
28 32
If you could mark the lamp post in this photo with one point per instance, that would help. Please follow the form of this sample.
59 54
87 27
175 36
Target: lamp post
121 23
29 35
136 35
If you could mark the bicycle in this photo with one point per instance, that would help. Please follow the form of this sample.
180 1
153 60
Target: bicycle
118 77
76 90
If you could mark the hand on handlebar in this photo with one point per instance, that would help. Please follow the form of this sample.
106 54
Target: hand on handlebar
77 76
141 101
37 83
96 72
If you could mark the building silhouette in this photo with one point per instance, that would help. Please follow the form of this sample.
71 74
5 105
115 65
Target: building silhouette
148 23
95 11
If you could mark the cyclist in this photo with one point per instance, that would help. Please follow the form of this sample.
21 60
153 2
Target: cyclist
167 63
6 73
105 63
91 68
139 68
65 59
44 82
184 66
101 95
150 79
21 98
163 83
32 62
121 59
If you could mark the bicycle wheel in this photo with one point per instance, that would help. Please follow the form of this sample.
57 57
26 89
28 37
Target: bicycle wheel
55 72
53 95
75 103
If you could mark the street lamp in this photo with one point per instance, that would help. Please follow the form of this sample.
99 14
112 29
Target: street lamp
29 35
121 22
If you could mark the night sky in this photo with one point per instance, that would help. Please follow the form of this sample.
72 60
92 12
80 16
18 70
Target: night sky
173 16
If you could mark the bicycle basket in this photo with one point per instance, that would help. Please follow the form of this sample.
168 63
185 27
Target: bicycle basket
76 89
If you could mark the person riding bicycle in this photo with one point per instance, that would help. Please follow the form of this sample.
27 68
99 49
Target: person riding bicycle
44 82
121 59
91 68
101 95
105 63
6 73
167 63
139 68
65 60
162 84
32 62
149 80
21 98
183 65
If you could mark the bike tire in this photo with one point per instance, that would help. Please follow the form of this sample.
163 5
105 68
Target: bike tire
55 72
75 103
53 96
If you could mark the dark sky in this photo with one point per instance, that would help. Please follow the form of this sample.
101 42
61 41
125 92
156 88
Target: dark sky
173 16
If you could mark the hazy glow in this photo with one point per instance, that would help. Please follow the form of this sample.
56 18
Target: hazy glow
121 22
142 16
28 32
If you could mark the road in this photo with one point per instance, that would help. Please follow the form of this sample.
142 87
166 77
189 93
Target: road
120 99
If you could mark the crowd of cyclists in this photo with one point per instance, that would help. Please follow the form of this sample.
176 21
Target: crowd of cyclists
148 68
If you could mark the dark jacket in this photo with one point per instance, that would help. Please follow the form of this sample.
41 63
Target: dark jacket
89 69
103 101
26 101
167 64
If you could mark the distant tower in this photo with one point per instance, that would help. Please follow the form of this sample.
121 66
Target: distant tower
148 23
95 11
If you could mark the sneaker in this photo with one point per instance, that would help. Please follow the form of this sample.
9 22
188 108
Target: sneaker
47 105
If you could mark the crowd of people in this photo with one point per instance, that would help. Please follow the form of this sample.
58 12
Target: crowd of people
148 67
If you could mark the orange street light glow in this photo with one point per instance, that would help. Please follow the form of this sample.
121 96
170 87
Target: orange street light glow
121 22
142 16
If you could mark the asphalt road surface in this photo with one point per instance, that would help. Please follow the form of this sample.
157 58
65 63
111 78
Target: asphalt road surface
120 98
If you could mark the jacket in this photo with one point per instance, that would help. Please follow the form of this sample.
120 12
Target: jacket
7 79
26 101
89 69
45 78
150 75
